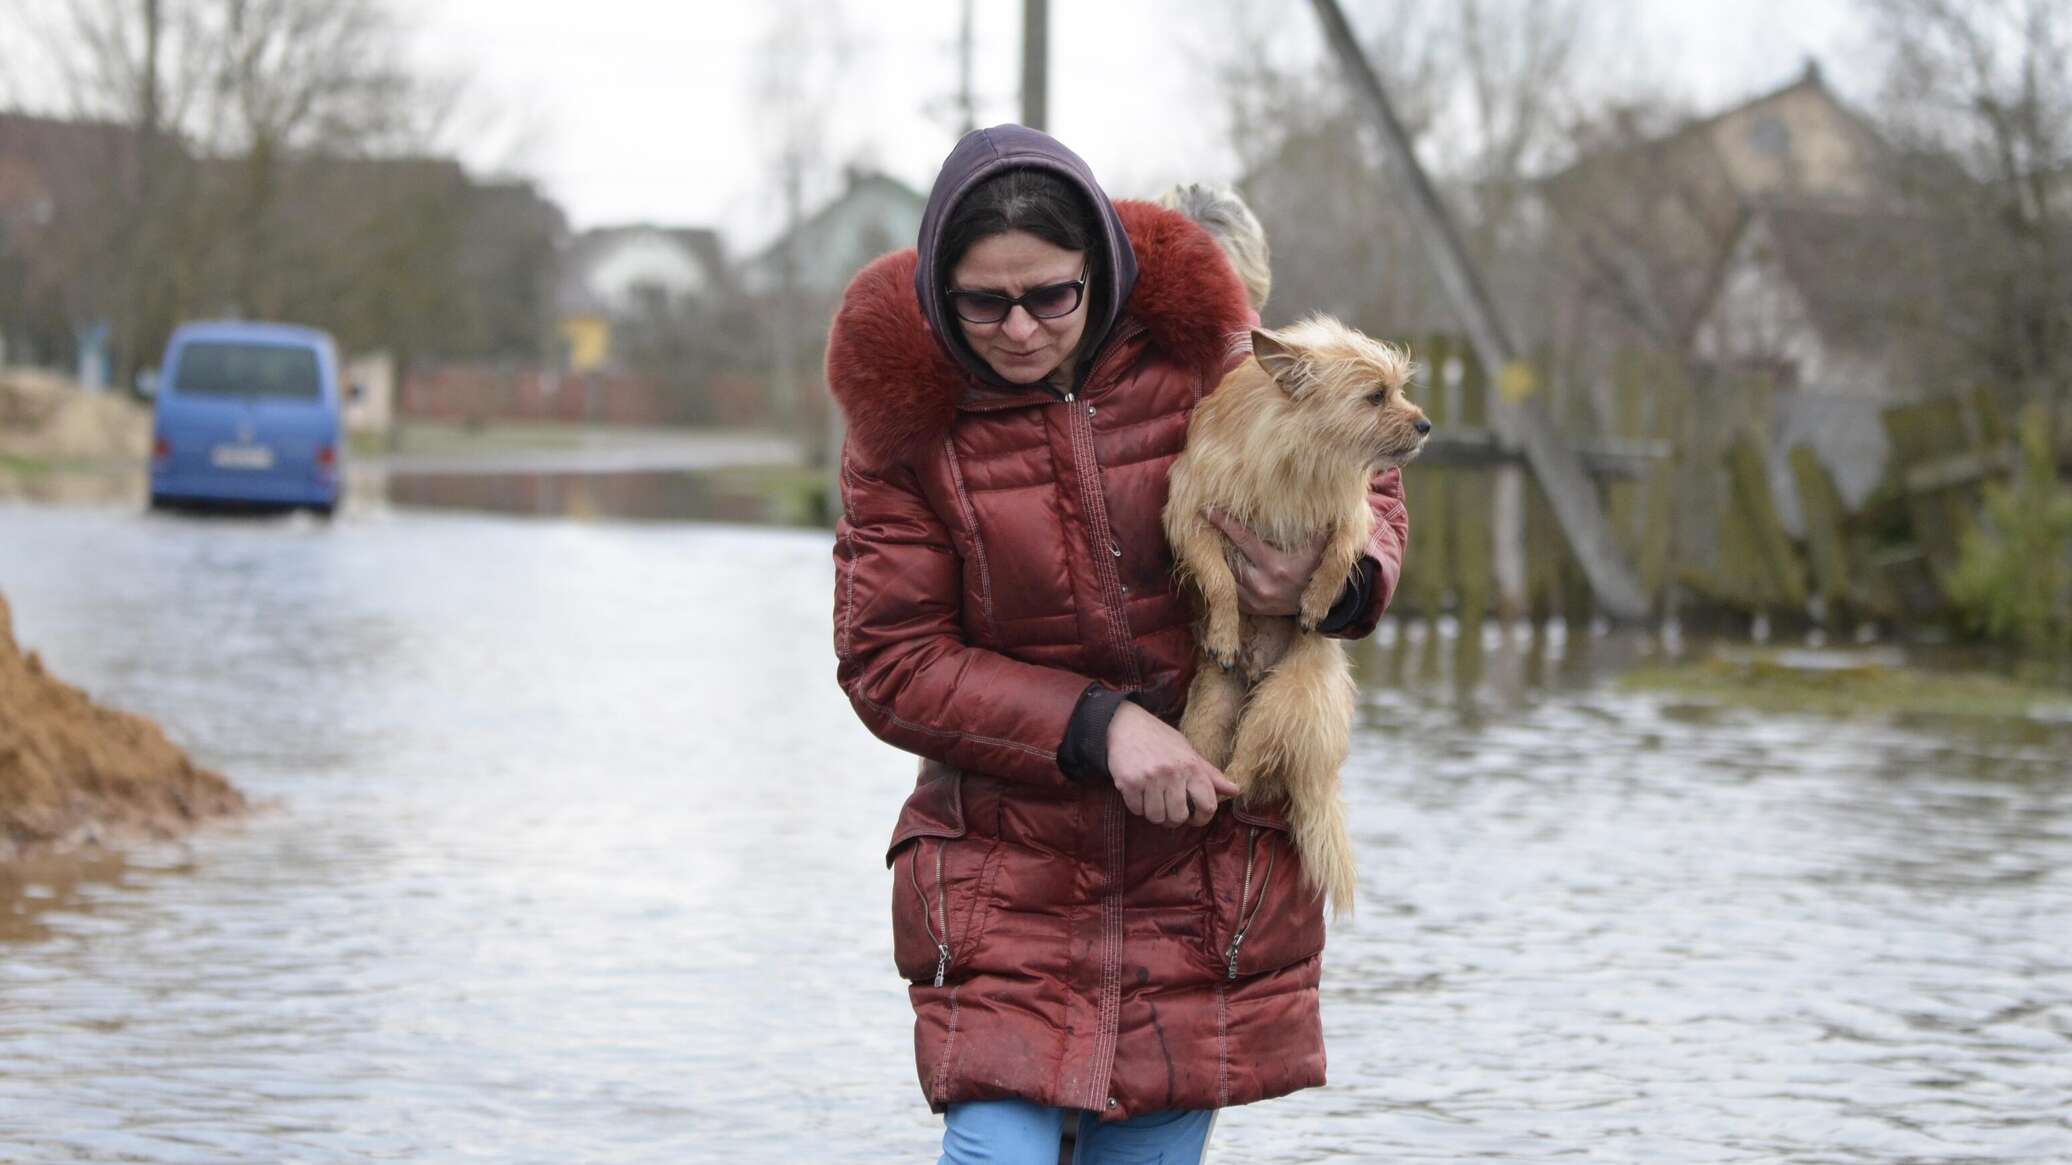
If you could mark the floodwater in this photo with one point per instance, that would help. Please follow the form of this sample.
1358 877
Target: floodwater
576 855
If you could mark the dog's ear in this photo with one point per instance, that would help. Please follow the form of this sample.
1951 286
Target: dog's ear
1281 362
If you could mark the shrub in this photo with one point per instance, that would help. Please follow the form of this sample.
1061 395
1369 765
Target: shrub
2013 580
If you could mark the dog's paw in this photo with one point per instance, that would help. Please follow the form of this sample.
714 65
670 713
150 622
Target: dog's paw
1221 646
1316 607
1309 619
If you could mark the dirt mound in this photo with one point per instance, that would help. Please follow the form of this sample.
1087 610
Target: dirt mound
73 773
50 418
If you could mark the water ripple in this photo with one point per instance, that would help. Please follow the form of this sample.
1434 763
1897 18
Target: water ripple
580 858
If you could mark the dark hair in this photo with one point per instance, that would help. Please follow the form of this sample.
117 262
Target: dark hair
1022 199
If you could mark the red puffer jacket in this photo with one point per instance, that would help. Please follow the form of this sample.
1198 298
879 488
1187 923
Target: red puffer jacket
1001 549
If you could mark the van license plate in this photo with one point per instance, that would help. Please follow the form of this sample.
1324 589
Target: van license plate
242 457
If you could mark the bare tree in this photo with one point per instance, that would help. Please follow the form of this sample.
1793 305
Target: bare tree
1638 226
238 118
142 65
1978 96
298 76
1487 89
1483 88
1311 173
1518 63
801 64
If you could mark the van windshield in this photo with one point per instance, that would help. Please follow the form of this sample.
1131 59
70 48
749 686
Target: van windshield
216 368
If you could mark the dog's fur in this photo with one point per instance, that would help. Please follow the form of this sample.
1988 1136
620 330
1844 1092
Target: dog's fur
1288 444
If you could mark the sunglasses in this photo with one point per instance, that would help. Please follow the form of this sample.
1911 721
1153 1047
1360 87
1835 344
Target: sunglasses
1044 303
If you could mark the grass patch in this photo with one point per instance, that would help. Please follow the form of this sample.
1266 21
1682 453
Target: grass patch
24 465
770 477
498 436
798 493
1767 684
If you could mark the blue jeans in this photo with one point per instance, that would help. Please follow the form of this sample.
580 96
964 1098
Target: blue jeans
1019 1132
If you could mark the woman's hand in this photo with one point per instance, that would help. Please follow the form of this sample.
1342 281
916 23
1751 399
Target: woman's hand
1161 778
1269 581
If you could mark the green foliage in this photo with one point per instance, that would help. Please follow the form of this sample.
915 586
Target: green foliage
1777 682
2013 580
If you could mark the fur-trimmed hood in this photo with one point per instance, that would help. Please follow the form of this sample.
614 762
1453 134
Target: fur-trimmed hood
899 390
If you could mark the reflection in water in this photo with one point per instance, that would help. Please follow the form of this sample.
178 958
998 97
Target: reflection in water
580 859
758 495
718 497
65 884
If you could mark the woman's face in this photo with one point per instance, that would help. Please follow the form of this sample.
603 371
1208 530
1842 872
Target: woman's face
1021 348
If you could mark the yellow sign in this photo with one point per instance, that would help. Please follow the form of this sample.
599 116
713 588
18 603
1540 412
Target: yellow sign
588 340
1517 381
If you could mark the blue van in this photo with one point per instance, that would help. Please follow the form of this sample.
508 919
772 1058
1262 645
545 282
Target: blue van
247 414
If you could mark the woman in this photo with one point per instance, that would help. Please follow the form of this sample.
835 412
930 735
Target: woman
1090 928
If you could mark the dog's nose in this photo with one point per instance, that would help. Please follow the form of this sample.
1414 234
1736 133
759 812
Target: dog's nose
1422 425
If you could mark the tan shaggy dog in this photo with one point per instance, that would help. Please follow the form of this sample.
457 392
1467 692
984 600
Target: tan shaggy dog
1287 444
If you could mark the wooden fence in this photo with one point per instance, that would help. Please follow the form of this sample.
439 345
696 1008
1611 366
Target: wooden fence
1686 479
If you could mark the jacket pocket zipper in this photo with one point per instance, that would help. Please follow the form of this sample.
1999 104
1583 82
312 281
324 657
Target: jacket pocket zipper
1244 895
940 937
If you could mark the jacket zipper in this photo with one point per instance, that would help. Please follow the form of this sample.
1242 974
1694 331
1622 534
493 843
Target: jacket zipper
941 938
1096 507
1089 474
1244 894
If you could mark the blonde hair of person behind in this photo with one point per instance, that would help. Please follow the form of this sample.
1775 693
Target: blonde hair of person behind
1220 211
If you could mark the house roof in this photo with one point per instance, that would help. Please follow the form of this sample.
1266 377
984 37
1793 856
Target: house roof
64 162
857 181
56 138
701 242
586 250
1859 271
1698 129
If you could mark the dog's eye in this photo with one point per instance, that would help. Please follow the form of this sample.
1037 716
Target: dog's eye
1375 398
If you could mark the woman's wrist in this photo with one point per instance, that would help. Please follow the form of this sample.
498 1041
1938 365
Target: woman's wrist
1359 588
1083 754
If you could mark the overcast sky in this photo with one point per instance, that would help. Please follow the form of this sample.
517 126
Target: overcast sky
643 109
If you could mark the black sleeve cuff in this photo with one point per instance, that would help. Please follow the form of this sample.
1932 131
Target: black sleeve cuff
1083 755
1359 588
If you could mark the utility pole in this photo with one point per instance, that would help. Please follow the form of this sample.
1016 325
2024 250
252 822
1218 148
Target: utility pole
145 218
786 371
1524 422
1036 64
967 103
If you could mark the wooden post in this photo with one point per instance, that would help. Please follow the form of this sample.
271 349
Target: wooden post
1671 401
1474 508
1398 667
1925 434
1782 576
1624 499
1427 570
1546 556
1524 421
1820 508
